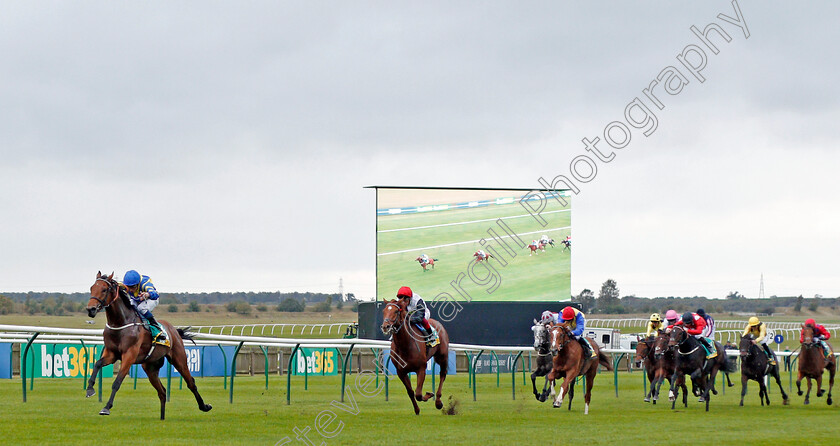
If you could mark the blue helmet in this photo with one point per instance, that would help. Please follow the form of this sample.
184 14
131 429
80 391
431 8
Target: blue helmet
131 278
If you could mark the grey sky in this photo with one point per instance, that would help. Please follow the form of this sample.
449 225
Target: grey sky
212 145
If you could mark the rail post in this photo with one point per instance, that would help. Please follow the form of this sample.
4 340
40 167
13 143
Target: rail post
289 375
23 363
84 377
265 353
169 380
475 383
469 369
513 375
344 369
615 371
224 356
386 376
233 368
496 361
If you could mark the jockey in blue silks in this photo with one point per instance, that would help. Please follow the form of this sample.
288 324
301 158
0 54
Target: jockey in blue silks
144 297
576 321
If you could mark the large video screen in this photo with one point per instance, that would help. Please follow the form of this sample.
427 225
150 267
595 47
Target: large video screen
468 245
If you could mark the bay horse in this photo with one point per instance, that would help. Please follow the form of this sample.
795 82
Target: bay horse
128 341
812 362
534 247
479 258
410 354
429 262
566 245
570 362
755 366
645 353
692 361
542 344
666 364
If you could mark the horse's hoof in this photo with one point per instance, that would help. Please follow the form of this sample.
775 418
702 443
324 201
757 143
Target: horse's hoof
104 412
714 392
90 393
556 405
799 393
829 401
647 400
438 404
701 400
807 402
820 393
741 404
206 408
785 402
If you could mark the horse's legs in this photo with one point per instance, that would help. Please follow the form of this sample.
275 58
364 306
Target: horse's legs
108 357
442 365
127 361
571 395
178 358
799 384
534 384
421 378
808 393
820 390
406 380
152 372
744 382
564 388
590 380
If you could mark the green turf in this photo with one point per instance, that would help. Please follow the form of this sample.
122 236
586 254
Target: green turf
546 276
58 413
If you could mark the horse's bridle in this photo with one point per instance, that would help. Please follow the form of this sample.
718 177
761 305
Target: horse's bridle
563 329
395 324
542 347
112 287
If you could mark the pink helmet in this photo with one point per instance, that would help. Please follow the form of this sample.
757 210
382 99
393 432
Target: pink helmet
671 315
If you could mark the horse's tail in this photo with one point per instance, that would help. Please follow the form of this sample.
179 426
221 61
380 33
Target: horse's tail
605 361
184 333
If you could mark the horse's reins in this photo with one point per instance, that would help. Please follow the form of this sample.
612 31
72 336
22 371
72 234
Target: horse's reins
111 288
394 325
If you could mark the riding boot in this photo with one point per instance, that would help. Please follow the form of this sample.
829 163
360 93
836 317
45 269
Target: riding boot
587 349
706 345
152 321
770 355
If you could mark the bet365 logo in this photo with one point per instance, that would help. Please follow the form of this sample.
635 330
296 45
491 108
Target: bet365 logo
67 362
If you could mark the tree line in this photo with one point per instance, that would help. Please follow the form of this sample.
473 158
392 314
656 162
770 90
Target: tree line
608 302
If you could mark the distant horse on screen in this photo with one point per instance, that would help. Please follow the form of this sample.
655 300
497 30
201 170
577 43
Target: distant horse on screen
426 263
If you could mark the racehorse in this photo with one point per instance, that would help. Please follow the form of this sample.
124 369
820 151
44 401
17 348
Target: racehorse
646 353
567 244
127 340
479 257
666 365
692 361
534 249
755 366
812 361
569 362
426 263
410 354
542 344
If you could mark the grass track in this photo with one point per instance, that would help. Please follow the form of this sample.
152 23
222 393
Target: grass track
58 413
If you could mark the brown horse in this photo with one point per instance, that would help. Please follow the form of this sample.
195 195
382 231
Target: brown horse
666 364
645 353
430 262
127 340
570 362
410 354
812 361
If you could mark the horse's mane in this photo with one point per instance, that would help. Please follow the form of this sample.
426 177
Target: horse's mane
123 294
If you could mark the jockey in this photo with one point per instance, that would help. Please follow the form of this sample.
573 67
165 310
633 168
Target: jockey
480 255
710 323
544 239
424 258
695 326
820 334
535 243
550 316
144 297
569 238
418 314
654 325
671 318
759 331
576 320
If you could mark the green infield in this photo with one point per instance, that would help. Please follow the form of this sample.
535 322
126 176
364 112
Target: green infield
58 413
451 237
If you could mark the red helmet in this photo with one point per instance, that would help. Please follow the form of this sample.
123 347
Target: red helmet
568 313
811 322
404 292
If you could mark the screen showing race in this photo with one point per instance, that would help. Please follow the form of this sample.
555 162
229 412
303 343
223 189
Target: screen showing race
468 245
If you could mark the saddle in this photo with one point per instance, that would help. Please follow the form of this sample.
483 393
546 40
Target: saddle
156 332
713 353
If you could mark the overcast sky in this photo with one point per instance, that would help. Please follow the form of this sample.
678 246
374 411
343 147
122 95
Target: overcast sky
224 145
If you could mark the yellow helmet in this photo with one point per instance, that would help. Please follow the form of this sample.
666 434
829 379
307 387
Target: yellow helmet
655 317
753 321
